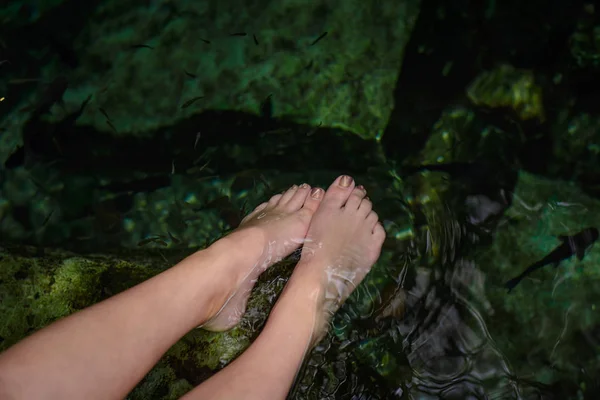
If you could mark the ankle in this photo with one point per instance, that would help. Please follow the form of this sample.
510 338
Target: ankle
308 287
208 270
239 251
301 302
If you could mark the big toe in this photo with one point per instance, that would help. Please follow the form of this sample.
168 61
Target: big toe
304 198
314 199
338 193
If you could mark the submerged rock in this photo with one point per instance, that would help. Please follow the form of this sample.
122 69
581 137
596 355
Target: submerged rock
39 286
324 63
235 55
508 87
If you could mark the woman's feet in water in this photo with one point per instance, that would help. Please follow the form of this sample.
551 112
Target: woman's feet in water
343 242
265 236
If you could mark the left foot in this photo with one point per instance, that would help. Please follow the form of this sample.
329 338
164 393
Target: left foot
268 234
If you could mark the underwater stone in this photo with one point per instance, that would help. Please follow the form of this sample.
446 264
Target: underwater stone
40 286
345 80
508 87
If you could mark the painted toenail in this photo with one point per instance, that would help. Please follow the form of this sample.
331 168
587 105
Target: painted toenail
345 181
304 186
361 187
316 193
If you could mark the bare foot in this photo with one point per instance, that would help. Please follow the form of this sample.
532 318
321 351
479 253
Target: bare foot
343 242
268 234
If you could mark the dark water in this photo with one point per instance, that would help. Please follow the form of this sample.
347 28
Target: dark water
148 128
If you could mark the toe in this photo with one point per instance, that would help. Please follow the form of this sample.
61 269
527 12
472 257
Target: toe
275 199
356 197
314 199
365 207
379 233
260 207
337 194
298 198
372 219
288 194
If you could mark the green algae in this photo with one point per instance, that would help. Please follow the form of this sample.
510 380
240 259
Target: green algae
37 287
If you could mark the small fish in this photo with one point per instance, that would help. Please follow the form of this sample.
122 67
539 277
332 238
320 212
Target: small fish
571 245
190 74
264 181
317 40
47 218
197 170
173 167
239 34
247 180
205 41
22 81
154 239
255 40
191 101
104 113
173 238
111 126
39 185
313 130
66 124
105 88
141 46
197 139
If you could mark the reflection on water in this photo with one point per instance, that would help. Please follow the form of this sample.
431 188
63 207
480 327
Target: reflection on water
441 325
429 339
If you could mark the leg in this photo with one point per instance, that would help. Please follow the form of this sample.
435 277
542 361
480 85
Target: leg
103 351
343 242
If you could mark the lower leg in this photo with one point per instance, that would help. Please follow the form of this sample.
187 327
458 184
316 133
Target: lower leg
104 350
267 368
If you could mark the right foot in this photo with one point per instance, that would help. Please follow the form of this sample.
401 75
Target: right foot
343 242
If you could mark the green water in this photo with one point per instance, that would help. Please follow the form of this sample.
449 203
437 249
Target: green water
133 133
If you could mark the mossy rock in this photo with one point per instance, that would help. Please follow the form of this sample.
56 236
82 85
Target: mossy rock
39 286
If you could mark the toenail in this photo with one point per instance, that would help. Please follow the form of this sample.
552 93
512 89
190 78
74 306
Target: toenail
361 187
304 186
316 193
345 181
294 187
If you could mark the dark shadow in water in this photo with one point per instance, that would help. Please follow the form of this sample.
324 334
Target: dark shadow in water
289 146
